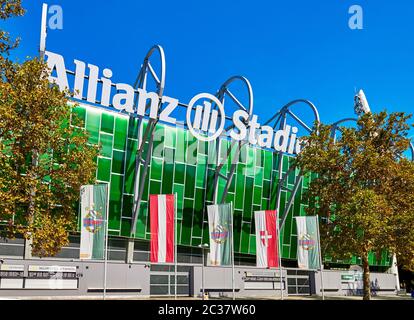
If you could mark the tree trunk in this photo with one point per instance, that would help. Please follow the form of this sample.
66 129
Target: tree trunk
367 283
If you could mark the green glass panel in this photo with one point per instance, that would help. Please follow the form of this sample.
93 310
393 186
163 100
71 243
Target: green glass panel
258 176
118 160
179 189
120 133
125 227
130 166
181 146
245 237
167 178
190 181
127 206
252 248
107 122
285 163
201 175
142 220
170 136
267 165
104 169
239 191
179 173
257 196
156 168
187 221
155 187
106 144
133 128
93 120
114 213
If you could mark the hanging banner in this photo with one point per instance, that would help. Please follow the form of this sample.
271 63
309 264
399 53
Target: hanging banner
267 249
93 207
308 245
162 217
221 234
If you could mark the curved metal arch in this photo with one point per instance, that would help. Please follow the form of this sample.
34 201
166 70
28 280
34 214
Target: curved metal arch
148 135
286 110
279 120
224 89
141 81
412 151
335 126
221 94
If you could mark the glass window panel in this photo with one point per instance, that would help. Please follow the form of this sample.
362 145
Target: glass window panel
104 169
126 227
155 187
106 144
167 181
179 173
127 206
133 128
156 168
190 181
118 160
120 133
93 120
107 122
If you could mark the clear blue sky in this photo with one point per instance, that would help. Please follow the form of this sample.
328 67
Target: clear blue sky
287 49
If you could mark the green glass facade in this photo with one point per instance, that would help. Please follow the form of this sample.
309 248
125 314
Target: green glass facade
183 165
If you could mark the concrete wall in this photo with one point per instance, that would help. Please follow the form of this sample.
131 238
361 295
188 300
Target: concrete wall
334 284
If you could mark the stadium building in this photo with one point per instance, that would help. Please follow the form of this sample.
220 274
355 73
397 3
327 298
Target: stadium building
140 156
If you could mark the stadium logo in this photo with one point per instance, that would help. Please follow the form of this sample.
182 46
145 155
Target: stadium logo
205 119
219 234
306 242
93 220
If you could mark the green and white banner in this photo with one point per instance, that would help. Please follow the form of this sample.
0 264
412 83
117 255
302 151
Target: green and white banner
93 207
221 234
308 242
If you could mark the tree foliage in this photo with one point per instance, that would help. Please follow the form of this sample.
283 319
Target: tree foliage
43 158
364 188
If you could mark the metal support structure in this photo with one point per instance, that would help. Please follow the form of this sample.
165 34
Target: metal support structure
278 122
234 146
148 135
335 126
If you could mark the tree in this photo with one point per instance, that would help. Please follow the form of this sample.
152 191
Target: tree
44 158
364 188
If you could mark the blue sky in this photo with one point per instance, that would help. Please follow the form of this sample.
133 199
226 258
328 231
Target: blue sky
287 49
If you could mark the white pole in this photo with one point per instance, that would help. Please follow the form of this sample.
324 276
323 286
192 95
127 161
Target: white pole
280 255
202 271
175 244
43 31
106 240
232 250
320 257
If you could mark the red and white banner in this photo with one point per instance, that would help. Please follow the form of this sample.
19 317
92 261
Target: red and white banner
162 221
267 240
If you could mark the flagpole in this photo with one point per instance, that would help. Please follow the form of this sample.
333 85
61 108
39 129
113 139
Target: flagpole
175 245
320 257
106 240
232 250
280 255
